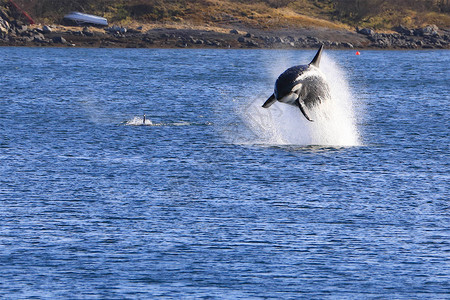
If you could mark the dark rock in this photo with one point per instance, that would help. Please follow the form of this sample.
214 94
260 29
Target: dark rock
131 30
426 31
116 29
4 22
335 44
17 23
290 39
39 38
4 25
27 33
251 43
4 15
147 40
59 40
347 45
435 40
411 45
430 30
366 31
191 40
373 38
234 31
26 39
248 35
403 30
241 39
87 32
21 29
181 44
46 29
382 43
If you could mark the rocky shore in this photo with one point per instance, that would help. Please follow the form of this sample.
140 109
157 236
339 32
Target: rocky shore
16 33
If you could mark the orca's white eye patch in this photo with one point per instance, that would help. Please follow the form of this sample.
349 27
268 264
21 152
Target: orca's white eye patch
297 87
289 98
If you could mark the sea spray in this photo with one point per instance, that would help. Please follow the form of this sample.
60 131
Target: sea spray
334 119
138 121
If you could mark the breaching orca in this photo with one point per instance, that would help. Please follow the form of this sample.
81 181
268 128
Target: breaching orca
301 86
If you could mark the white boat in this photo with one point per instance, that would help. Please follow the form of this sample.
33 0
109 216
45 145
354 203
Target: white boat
80 18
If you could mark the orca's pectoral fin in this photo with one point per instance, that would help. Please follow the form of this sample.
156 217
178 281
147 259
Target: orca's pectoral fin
302 109
270 101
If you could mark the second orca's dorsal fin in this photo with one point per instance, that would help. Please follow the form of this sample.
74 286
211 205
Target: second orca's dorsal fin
316 60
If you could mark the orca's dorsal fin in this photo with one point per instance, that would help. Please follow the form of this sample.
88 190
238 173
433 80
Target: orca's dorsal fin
316 60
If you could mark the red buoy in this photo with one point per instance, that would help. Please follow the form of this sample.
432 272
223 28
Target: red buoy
357 53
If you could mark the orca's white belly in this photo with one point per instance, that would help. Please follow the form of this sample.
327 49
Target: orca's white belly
289 98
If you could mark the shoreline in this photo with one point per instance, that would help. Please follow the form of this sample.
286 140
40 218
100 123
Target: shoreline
20 35
226 34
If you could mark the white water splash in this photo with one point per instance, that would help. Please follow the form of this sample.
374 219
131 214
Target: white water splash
334 120
138 121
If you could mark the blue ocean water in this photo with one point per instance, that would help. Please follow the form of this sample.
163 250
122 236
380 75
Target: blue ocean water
216 197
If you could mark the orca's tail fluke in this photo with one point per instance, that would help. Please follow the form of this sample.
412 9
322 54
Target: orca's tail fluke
270 101
316 60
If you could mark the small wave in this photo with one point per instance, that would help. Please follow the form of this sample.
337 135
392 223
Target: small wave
138 121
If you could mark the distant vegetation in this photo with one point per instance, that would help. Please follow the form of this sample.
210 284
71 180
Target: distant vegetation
378 14
388 13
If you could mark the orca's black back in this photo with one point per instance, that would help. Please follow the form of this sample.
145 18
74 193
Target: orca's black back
314 88
287 80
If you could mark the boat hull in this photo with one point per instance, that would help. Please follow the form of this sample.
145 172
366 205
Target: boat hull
81 19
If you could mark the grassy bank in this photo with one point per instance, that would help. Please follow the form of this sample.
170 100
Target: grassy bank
260 14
